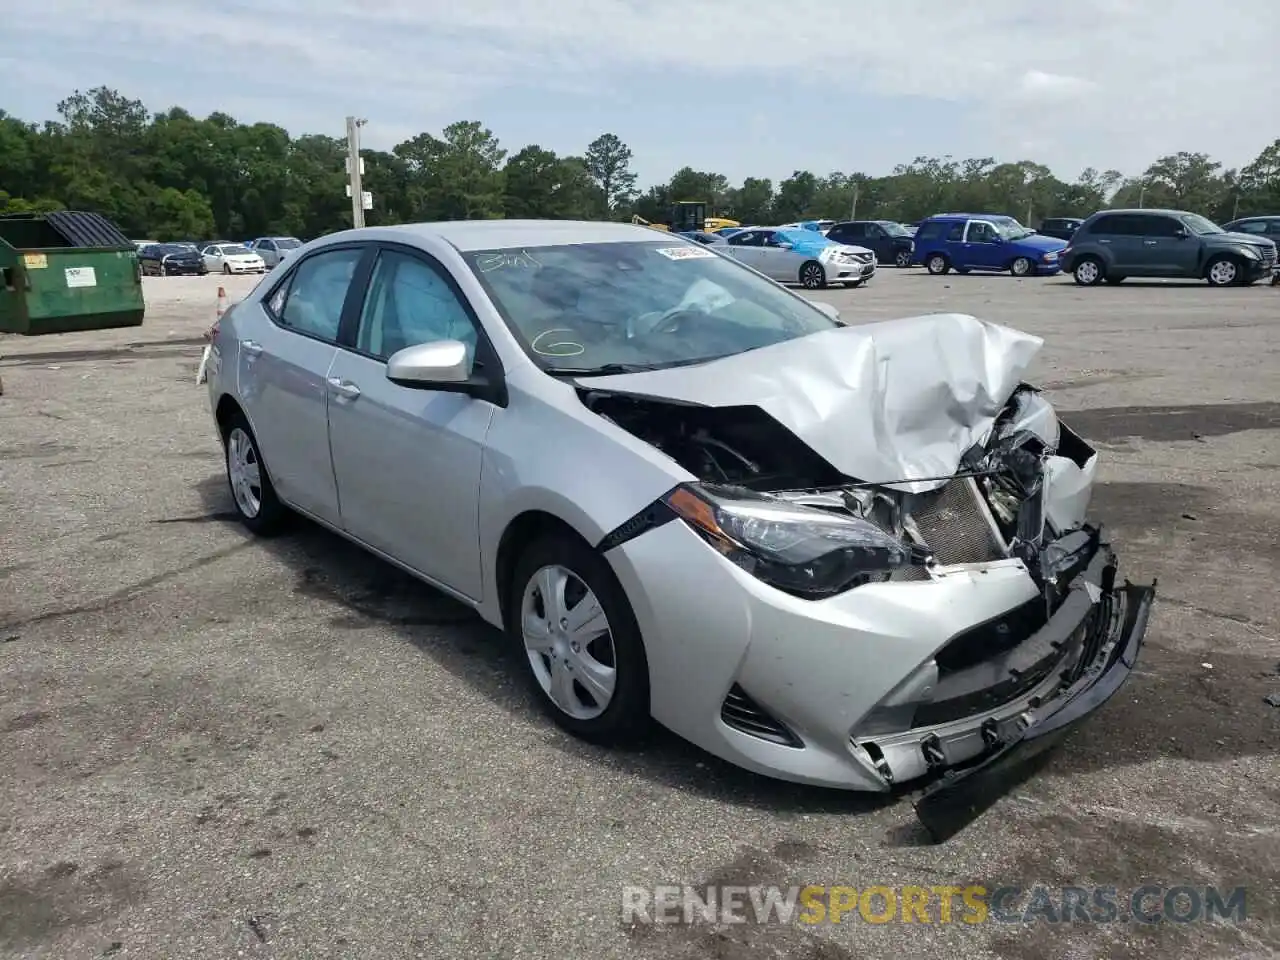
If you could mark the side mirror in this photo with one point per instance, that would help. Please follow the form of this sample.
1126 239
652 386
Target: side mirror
826 308
1180 233
785 246
430 365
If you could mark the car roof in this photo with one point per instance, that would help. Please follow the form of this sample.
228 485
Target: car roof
468 235
1261 216
1148 211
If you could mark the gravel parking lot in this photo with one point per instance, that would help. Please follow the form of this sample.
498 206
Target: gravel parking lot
214 746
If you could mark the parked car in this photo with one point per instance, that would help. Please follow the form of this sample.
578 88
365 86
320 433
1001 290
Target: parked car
144 243
1259 226
1113 245
984 241
703 237
274 249
171 260
891 243
232 258
1060 227
727 232
757 557
802 256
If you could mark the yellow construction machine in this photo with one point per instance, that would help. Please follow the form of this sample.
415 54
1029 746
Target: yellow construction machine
687 216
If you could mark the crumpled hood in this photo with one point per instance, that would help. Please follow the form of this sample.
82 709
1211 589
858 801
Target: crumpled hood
892 401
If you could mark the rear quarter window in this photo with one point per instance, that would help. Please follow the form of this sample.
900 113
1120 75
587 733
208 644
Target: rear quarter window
931 231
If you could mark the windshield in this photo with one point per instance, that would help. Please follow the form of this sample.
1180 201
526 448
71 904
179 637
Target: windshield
894 229
1011 229
1201 226
288 243
235 250
638 305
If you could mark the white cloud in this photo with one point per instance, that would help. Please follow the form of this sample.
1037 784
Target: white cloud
1106 83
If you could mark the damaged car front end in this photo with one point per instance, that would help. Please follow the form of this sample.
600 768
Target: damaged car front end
919 631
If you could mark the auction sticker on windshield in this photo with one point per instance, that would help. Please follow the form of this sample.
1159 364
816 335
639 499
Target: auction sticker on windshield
685 253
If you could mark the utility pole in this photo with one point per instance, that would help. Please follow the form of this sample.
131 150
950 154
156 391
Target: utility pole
1235 211
1142 196
853 208
355 171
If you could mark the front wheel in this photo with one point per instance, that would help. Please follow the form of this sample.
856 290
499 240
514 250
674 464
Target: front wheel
937 264
812 276
1022 267
569 616
1222 272
226 268
1088 272
853 284
902 258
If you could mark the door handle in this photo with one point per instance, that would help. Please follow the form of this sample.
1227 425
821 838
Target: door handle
344 388
252 347
1148 243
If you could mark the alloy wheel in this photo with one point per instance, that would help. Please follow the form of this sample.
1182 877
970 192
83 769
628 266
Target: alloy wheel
245 472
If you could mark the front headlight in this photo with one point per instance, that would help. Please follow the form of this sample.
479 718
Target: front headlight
1253 253
806 552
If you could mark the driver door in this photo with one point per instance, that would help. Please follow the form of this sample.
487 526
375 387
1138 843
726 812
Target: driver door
982 246
777 261
407 461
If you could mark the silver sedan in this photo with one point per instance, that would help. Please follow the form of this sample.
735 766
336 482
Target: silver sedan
848 556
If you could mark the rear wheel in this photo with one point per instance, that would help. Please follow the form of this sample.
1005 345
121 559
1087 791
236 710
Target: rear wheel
1222 272
226 268
902 258
1022 267
255 498
1089 272
937 264
813 276
586 660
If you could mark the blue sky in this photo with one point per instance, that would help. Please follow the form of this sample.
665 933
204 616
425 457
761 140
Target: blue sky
742 87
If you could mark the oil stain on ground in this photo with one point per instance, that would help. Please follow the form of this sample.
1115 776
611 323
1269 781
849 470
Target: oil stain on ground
1168 424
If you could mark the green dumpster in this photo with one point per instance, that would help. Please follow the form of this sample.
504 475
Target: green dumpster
67 271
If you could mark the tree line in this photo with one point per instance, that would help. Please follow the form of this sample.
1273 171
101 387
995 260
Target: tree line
171 175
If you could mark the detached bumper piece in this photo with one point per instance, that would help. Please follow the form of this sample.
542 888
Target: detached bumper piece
963 793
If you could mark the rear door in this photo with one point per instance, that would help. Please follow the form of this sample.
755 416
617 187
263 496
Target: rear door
286 348
747 247
1120 235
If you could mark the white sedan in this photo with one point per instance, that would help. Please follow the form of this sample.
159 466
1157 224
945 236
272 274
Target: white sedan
849 556
802 256
232 258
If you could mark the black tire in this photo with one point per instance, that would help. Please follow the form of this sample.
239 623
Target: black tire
852 284
902 259
226 268
1114 280
271 515
812 275
1224 271
937 264
1022 267
1089 271
626 719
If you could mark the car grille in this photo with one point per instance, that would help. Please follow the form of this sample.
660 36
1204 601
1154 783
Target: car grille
743 714
954 522
1268 257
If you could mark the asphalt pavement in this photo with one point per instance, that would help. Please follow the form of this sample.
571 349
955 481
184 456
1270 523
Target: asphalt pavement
215 746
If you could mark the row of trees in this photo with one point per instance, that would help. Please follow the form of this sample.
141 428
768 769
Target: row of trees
171 175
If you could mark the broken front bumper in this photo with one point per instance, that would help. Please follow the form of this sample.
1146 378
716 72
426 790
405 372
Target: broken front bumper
963 792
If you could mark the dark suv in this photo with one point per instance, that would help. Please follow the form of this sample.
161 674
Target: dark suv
1115 244
890 241
1061 227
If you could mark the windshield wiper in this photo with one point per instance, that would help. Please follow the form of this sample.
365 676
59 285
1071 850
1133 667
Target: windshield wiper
603 370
